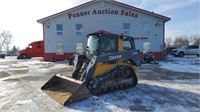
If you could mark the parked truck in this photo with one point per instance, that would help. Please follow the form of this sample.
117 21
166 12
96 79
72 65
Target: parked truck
34 49
2 55
187 50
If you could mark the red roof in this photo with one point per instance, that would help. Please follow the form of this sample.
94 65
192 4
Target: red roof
112 1
102 31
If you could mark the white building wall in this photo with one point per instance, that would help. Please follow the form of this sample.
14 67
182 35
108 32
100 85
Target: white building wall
108 22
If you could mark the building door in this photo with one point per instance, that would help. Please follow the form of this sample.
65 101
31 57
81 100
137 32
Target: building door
146 46
59 49
79 48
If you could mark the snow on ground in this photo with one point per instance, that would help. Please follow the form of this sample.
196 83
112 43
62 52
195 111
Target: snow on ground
189 64
35 63
19 94
146 96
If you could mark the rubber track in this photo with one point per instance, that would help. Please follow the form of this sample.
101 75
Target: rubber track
111 74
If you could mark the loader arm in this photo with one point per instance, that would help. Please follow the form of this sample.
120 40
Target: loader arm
78 63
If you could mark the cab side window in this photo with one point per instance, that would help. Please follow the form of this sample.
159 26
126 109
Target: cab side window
193 47
108 44
38 44
127 45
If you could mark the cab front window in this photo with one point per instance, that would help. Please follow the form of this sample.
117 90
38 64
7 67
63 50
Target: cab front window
29 46
92 45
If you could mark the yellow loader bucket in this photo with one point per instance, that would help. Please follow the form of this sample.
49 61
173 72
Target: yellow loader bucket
65 90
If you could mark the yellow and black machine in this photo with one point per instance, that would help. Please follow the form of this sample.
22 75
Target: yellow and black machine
110 63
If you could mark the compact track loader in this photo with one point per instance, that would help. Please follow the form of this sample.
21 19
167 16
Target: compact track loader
110 64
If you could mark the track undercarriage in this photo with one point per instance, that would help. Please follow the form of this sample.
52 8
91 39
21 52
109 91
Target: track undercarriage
120 77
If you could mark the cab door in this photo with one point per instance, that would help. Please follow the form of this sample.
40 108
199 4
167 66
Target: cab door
29 51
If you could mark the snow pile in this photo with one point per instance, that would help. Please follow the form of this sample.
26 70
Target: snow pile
188 64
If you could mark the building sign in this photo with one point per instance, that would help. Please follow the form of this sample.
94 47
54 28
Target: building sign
104 11
140 38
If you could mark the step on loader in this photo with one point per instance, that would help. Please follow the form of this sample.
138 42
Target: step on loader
110 63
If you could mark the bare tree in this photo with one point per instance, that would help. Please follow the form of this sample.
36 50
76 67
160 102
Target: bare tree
14 50
195 39
5 40
168 41
181 40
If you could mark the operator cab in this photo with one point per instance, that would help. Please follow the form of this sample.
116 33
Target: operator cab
101 43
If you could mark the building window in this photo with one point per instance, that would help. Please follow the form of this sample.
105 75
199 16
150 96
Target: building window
126 28
146 30
79 29
59 29
59 49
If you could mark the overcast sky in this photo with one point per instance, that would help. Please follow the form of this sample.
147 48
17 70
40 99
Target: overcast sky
20 16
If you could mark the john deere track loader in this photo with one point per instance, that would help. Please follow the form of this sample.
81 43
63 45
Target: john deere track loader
110 64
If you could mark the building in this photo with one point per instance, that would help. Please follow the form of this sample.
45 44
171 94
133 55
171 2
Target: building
65 30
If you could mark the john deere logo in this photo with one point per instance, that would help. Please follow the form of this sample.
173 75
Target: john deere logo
115 57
